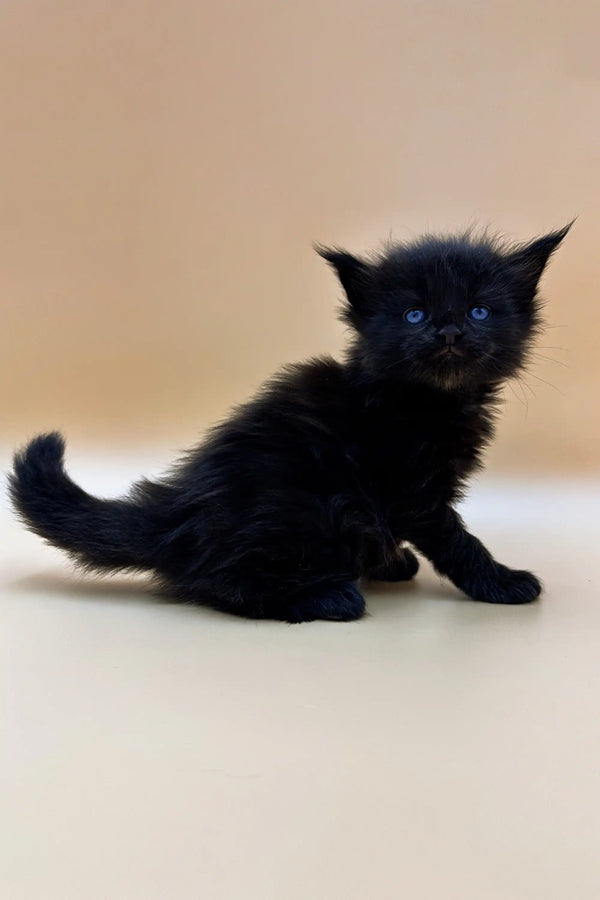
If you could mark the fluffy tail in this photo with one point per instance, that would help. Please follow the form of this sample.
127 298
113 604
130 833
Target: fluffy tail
99 534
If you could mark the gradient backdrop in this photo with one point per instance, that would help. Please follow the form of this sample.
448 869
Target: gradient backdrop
164 168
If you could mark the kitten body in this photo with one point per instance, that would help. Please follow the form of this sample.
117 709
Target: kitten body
327 475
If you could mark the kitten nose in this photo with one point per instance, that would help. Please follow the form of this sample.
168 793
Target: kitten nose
450 332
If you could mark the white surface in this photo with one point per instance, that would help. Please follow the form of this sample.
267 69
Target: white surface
438 748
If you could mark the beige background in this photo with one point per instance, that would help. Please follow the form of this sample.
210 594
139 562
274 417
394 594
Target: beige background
164 168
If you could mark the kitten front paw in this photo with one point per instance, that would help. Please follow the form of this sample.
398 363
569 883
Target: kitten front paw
507 586
404 567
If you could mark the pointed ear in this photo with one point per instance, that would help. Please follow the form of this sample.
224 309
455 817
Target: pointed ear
531 259
354 275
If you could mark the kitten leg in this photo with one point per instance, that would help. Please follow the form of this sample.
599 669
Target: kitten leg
340 602
466 562
402 568
235 593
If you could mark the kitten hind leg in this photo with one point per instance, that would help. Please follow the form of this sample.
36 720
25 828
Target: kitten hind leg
338 602
333 599
402 568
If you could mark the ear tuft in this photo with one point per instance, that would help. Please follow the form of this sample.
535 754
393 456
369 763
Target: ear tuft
353 274
533 257
349 268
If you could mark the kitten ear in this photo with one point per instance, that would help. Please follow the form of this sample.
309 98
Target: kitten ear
353 274
531 259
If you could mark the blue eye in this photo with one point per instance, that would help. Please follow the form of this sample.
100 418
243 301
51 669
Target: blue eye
479 313
414 316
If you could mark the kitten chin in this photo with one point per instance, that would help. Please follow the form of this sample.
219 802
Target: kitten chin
324 477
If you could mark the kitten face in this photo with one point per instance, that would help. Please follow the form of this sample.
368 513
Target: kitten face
448 315
447 312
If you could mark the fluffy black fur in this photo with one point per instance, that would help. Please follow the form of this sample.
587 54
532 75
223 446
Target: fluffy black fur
333 468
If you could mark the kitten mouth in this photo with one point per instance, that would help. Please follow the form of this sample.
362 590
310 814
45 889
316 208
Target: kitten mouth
448 352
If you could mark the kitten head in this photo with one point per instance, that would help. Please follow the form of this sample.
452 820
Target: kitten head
450 312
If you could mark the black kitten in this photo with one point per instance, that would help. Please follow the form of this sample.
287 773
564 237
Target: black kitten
324 476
